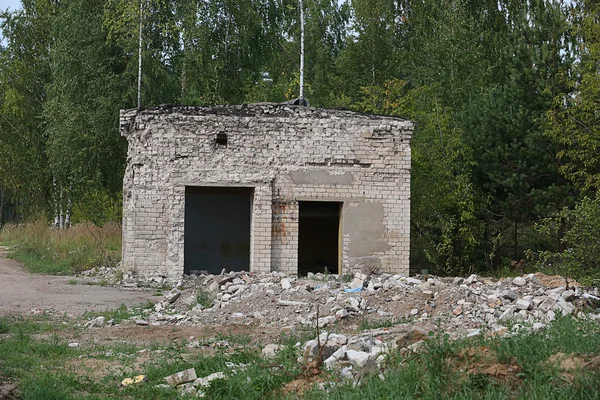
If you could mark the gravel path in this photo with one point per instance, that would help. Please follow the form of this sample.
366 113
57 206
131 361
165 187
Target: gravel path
25 293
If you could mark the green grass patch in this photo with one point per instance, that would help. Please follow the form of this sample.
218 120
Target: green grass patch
475 368
205 298
119 314
62 252
480 368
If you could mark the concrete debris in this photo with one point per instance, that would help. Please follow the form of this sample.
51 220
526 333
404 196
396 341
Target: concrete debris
519 281
285 284
172 296
456 306
188 375
96 322
271 350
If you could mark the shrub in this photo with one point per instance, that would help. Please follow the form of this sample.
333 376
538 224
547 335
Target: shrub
577 231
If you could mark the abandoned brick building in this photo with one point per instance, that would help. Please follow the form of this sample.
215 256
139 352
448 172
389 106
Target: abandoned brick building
265 187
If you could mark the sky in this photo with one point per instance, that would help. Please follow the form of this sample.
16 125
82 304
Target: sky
12 4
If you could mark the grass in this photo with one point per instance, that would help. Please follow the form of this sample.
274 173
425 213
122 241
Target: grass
205 298
62 252
465 369
446 370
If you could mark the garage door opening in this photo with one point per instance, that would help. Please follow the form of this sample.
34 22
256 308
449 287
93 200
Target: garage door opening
217 229
319 237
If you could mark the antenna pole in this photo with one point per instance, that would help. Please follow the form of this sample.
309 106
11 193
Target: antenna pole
139 88
301 50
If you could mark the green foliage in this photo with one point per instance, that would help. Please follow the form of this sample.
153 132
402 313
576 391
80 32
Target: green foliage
574 122
577 231
117 315
205 298
442 201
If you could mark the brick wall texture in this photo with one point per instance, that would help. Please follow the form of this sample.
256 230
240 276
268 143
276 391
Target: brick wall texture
287 154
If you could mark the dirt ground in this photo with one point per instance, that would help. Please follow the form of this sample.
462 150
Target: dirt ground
25 293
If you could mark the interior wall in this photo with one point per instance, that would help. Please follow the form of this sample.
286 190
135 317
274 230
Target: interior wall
319 237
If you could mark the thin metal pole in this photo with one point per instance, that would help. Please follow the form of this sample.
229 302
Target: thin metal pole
139 90
301 50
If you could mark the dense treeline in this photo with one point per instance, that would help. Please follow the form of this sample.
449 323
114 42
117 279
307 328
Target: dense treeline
505 94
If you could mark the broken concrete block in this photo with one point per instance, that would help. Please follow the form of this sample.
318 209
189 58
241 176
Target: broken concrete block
285 284
519 281
565 307
172 296
510 295
549 303
356 283
186 389
413 281
271 350
471 279
96 322
188 375
427 295
335 339
357 358
291 303
338 355
205 382
341 314
141 322
523 304
213 287
568 295
508 314
188 301
538 326
326 321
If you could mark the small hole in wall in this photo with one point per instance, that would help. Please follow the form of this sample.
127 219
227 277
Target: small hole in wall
221 139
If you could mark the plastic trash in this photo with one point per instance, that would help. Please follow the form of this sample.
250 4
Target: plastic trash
355 290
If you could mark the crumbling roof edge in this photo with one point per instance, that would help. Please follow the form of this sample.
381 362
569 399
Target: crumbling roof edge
242 109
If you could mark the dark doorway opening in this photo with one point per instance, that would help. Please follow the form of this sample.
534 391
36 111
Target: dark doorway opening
217 229
319 237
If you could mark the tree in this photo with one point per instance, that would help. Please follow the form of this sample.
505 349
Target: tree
443 224
574 121
84 148
24 75
517 166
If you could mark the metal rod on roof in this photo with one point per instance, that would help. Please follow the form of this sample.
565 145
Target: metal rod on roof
301 50
139 88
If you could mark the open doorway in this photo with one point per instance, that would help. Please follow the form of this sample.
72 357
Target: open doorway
319 237
217 229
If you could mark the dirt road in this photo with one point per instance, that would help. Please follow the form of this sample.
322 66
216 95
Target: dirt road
25 293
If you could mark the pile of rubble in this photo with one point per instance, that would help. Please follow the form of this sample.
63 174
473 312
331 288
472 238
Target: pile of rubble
460 306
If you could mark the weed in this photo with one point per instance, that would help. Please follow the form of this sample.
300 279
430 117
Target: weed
61 252
120 314
72 282
4 326
205 298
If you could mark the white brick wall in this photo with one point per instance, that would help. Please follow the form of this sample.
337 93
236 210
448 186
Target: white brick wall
287 154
